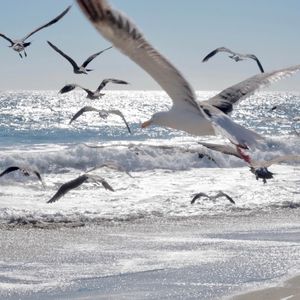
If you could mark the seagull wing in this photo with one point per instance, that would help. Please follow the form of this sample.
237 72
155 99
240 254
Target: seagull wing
226 149
106 81
222 194
68 88
125 36
66 187
8 170
71 61
99 179
83 110
276 160
7 38
90 58
118 113
48 24
199 195
232 95
252 56
214 52
38 175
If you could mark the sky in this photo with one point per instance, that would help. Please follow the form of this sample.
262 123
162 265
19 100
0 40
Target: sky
184 31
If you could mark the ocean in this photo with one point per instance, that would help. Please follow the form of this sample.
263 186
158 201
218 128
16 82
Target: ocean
167 167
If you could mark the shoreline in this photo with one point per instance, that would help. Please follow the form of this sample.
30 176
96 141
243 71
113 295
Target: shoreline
289 289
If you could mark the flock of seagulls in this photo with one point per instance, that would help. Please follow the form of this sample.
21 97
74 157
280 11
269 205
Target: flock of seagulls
195 117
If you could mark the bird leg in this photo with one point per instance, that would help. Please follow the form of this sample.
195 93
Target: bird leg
243 155
20 55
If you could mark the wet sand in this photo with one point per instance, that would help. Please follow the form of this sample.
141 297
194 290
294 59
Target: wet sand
191 258
288 290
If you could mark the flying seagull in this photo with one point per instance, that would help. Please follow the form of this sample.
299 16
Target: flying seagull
24 171
258 168
103 114
213 198
74 183
20 45
90 94
187 114
234 55
76 69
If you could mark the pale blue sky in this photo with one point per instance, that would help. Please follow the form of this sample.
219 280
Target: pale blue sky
184 31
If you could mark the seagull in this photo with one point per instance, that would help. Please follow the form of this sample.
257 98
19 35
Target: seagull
74 183
20 45
24 171
76 69
90 94
258 168
234 55
103 114
187 114
213 198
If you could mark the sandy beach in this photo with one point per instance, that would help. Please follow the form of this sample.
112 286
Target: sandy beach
190 258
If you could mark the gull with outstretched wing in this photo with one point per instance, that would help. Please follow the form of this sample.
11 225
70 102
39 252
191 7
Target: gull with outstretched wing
26 171
103 114
92 94
20 45
234 55
74 183
76 68
258 168
213 198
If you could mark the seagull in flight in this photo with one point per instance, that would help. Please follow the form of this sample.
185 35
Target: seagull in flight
234 55
92 94
25 171
258 168
102 113
187 114
74 183
21 44
78 69
213 198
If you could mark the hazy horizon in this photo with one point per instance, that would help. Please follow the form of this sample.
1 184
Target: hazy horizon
184 34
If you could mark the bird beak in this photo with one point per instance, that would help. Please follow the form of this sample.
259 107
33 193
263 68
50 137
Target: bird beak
146 124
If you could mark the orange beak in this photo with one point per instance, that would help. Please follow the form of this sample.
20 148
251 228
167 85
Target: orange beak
146 124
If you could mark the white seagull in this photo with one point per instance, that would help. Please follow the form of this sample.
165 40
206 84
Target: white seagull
234 55
258 168
187 114
74 183
102 113
92 94
20 45
78 69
